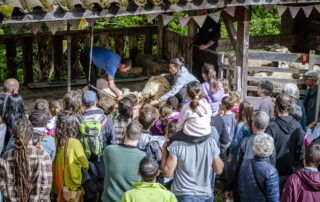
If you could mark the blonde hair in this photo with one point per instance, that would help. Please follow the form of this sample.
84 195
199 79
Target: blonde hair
55 107
226 85
236 96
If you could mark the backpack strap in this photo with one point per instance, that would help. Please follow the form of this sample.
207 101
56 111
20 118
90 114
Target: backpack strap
256 179
79 119
103 120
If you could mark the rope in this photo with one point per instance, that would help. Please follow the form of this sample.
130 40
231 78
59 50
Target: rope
90 60
105 93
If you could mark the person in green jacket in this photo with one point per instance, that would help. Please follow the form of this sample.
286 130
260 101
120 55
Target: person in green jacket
148 190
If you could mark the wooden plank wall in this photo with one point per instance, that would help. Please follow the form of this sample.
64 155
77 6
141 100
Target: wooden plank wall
102 37
175 45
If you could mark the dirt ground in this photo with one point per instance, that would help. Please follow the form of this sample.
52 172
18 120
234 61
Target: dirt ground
30 95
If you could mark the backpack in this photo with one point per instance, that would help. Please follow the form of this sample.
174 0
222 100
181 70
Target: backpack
92 140
154 149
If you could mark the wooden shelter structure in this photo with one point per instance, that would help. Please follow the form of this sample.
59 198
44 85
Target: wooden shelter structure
300 34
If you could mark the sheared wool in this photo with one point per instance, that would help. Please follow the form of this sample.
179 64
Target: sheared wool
156 87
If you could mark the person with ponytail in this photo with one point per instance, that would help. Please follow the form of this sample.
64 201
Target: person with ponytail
181 78
166 116
192 153
212 89
25 171
195 116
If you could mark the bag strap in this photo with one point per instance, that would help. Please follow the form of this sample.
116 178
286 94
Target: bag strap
256 179
103 120
64 164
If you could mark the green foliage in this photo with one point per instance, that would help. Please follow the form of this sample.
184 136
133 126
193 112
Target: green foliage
174 25
264 23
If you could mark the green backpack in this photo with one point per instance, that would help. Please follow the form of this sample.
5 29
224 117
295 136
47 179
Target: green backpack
92 140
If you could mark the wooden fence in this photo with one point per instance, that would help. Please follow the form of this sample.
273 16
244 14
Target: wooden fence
133 40
232 73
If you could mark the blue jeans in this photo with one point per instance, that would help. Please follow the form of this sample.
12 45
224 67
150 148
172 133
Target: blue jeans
190 198
213 181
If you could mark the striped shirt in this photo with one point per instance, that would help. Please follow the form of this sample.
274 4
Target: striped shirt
120 125
40 179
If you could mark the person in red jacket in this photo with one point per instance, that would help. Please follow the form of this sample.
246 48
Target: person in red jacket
304 184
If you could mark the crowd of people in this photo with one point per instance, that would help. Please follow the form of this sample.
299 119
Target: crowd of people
82 149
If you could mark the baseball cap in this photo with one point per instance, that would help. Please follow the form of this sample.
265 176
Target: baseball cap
89 98
311 74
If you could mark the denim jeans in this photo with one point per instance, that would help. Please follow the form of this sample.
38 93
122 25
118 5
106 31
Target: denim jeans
214 174
190 198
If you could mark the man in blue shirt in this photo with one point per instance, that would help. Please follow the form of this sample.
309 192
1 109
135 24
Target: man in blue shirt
107 60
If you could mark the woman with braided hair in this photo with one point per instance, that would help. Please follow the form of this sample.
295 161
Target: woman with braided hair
68 174
25 171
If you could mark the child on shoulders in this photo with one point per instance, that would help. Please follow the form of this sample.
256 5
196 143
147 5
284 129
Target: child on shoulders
195 116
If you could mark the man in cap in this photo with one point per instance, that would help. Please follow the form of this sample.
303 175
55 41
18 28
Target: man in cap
88 120
310 99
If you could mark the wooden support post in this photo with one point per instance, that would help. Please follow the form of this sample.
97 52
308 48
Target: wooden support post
11 56
75 73
311 59
160 36
43 59
27 50
119 45
87 40
237 78
232 33
317 103
58 57
147 43
192 31
242 51
104 40
133 47
69 59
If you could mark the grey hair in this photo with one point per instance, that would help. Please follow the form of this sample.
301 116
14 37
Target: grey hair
292 90
263 145
261 120
134 131
177 62
296 112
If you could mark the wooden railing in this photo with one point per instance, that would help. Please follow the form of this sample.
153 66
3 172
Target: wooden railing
232 73
127 41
